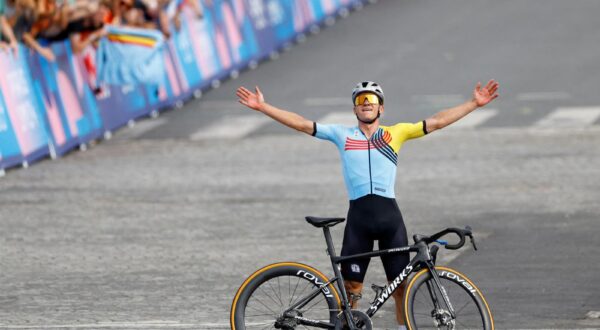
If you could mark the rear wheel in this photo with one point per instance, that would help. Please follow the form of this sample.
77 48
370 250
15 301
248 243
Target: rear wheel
263 298
425 307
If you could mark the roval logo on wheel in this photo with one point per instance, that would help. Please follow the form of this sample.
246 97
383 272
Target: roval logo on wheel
459 279
315 280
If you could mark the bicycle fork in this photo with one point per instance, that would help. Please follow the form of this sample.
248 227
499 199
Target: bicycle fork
439 313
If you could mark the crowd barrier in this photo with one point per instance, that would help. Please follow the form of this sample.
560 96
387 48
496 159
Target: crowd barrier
49 108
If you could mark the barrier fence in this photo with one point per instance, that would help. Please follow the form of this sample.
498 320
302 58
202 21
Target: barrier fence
49 108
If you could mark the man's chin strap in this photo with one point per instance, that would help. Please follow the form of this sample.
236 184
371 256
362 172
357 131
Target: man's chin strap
370 121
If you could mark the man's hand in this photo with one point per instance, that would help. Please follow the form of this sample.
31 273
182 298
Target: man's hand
483 96
249 99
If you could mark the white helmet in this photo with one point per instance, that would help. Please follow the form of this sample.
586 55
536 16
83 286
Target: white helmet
367 86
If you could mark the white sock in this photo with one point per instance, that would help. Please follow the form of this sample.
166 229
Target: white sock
401 327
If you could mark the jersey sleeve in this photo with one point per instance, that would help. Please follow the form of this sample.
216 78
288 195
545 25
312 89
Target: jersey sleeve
406 131
327 132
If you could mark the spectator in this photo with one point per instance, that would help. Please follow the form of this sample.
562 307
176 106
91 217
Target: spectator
90 29
174 8
21 15
7 37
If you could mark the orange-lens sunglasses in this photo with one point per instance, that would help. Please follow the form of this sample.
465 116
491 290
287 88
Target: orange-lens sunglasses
372 98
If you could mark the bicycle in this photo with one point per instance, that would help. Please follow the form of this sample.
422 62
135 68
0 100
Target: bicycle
275 295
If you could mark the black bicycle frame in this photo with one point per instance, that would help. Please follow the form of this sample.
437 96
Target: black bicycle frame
423 258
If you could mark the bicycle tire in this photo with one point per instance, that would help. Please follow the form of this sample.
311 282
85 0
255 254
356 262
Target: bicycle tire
471 309
296 279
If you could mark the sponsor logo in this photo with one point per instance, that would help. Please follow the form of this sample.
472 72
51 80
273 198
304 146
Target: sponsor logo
307 321
316 281
459 279
355 268
399 249
379 189
387 292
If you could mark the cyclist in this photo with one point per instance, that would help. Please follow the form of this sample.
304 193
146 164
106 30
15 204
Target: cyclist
369 154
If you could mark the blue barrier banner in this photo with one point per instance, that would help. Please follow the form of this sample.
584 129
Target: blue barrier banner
181 47
71 113
22 132
203 44
122 104
10 153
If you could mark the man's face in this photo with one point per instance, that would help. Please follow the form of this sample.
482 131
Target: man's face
367 111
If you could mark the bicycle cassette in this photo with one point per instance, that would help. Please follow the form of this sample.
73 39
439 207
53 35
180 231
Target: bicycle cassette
362 321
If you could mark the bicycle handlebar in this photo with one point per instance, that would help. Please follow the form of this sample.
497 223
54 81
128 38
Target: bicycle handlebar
462 233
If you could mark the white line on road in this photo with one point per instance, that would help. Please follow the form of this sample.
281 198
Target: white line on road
230 127
474 119
543 96
343 118
570 118
328 102
140 128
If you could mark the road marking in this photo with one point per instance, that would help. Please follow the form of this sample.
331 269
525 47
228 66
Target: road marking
328 102
593 315
347 118
229 127
543 96
474 119
140 128
570 118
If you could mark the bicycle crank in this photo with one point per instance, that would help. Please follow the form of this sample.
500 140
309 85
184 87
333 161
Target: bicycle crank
362 321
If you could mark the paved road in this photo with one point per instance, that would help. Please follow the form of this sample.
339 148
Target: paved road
158 227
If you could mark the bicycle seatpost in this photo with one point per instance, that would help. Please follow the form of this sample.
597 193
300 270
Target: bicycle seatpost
329 242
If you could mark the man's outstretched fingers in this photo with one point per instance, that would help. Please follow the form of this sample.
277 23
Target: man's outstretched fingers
244 90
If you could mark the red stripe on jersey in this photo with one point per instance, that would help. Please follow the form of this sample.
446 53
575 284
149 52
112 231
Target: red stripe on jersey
352 144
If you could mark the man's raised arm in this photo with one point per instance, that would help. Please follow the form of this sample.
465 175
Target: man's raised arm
481 97
256 101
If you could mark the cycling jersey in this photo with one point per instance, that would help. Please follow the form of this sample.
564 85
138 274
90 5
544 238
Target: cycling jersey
369 165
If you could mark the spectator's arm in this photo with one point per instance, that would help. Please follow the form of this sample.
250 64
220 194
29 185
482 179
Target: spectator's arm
163 20
78 45
8 32
43 51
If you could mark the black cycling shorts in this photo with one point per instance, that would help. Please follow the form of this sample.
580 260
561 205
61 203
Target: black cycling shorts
373 218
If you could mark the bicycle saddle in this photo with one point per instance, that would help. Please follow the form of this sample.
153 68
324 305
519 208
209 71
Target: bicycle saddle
324 222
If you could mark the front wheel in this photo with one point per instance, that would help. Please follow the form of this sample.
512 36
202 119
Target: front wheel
264 299
426 308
